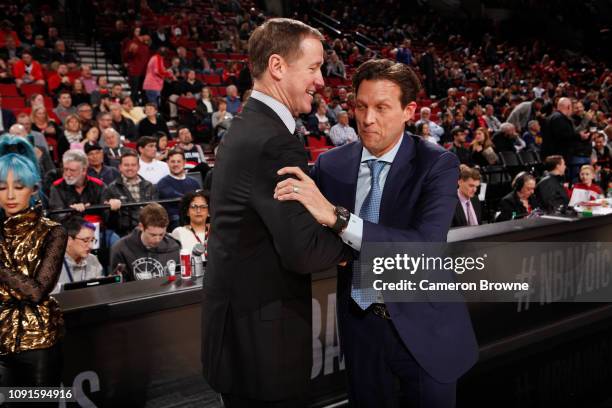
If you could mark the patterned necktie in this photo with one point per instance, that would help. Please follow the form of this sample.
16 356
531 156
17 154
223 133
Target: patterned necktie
370 211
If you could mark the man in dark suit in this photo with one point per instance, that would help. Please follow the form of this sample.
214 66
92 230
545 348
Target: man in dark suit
256 308
403 190
468 211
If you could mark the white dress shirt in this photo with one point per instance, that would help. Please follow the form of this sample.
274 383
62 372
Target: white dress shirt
278 107
353 234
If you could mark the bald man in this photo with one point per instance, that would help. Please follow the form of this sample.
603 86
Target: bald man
559 134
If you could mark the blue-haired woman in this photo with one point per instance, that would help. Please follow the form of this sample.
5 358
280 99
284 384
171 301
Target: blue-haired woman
31 252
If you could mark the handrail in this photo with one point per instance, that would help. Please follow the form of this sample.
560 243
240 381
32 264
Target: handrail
98 207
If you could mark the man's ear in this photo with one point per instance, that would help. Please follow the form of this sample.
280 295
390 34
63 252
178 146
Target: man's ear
409 111
277 66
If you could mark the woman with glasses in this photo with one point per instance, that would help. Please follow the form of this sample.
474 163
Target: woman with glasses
194 216
31 253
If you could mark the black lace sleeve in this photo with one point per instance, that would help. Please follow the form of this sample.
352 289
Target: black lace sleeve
36 289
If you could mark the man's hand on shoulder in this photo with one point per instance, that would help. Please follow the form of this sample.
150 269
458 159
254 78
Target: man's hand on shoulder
303 189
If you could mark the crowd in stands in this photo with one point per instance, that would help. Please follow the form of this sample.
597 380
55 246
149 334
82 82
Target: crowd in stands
531 122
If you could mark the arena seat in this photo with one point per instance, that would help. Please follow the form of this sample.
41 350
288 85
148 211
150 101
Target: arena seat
8 90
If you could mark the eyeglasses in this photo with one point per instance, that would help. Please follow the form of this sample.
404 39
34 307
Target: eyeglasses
198 207
86 241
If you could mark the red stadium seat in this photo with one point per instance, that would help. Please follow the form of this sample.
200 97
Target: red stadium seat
29 89
184 102
315 142
7 90
13 103
212 79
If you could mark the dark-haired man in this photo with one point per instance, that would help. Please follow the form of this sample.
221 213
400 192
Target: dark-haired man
390 187
175 184
257 303
151 169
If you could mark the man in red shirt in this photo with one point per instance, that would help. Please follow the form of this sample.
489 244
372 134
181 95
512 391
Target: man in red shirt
135 57
27 71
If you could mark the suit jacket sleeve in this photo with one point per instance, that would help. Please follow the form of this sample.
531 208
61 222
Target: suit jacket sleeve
435 208
303 245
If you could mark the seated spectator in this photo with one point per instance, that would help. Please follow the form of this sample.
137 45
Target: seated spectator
221 120
97 168
63 56
43 124
40 52
129 187
44 159
89 81
175 184
532 137
422 130
602 158
64 106
151 169
92 135
587 175
319 123
204 107
6 75
491 120
75 189
194 155
124 126
435 130
468 211
101 89
149 250
104 121
134 113
79 263
11 50
482 148
7 118
27 70
85 113
71 137
521 201
194 215
112 146
187 87
162 146
505 138
79 93
116 94
458 147
60 81
334 67
152 122
341 133
233 100
39 139
550 190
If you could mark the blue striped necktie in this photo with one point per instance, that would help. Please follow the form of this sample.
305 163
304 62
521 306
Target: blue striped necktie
370 211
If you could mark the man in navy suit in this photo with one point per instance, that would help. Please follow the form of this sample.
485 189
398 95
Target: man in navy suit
389 187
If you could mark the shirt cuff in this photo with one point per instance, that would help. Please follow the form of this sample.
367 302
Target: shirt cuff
353 233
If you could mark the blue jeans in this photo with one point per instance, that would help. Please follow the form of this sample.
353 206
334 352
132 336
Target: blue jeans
153 97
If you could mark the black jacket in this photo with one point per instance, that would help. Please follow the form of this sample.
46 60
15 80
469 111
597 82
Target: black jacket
558 136
256 309
63 195
127 128
511 207
551 193
142 262
503 143
459 219
126 219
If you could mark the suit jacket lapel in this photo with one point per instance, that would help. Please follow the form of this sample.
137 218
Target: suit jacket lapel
351 169
399 173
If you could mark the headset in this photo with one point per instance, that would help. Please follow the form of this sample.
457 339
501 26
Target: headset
519 180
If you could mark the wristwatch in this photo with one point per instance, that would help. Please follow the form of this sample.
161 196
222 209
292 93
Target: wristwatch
342 219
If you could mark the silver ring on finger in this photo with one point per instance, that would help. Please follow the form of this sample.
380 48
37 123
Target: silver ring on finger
296 189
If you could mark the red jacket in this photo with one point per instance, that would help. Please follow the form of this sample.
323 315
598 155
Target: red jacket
19 70
136 60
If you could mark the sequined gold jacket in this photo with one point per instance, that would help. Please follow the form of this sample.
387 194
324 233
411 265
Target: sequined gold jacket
31 253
